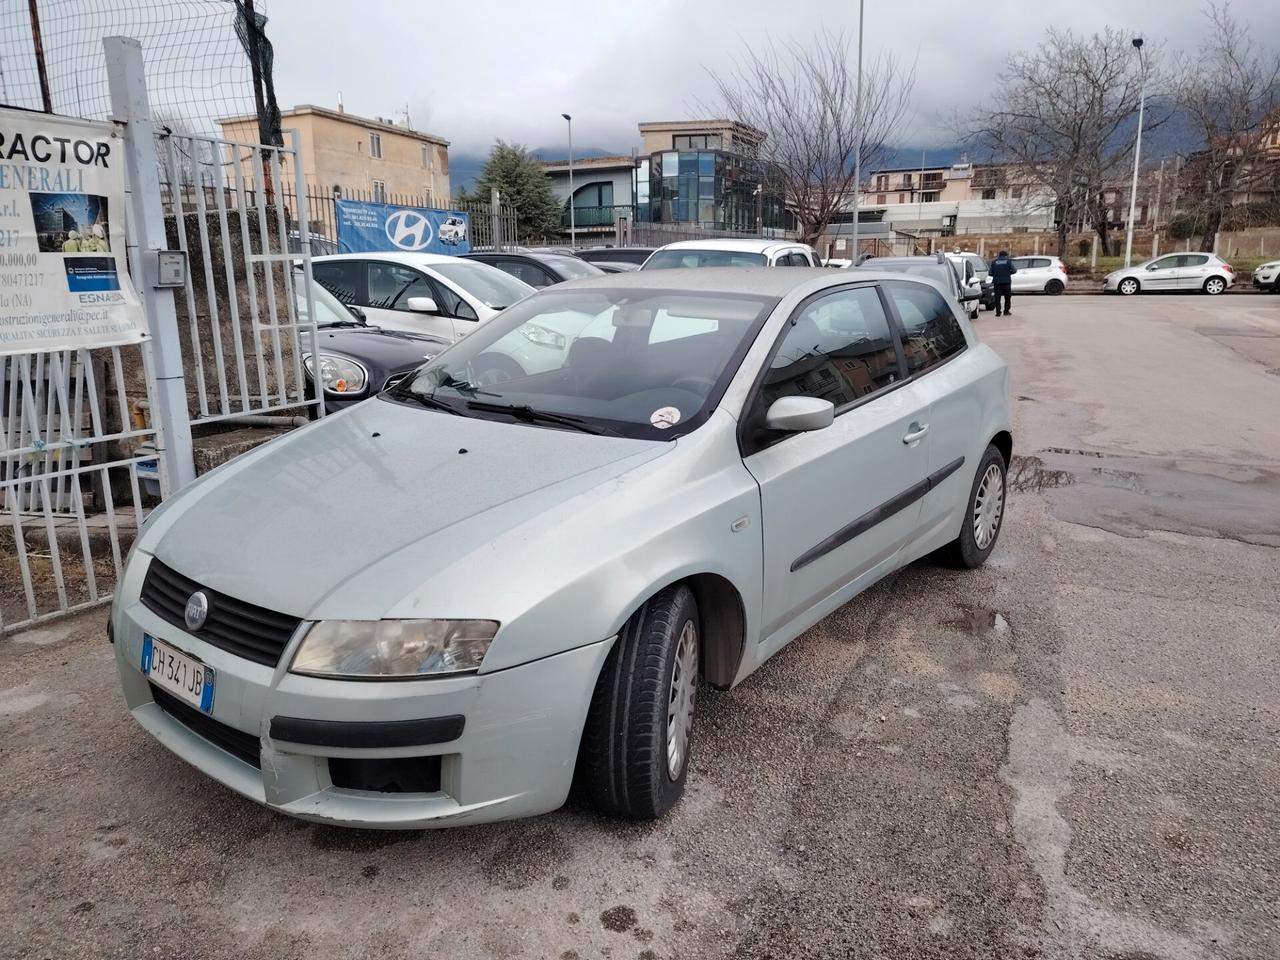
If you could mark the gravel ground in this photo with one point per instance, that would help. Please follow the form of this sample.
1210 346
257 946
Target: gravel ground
1072 752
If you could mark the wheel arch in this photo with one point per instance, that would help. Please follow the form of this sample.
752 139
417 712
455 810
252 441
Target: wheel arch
1003 441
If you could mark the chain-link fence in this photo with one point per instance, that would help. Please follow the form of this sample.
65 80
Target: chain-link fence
195 51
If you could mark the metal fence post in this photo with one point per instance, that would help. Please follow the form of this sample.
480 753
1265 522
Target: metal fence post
496 216
129 105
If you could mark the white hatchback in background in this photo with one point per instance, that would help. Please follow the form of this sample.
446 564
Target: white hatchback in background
1205 272
731 253
422 293
1039 275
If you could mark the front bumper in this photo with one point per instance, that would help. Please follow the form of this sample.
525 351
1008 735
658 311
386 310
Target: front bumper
507 741
1267 281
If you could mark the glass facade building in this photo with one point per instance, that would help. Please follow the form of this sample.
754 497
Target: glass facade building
700 182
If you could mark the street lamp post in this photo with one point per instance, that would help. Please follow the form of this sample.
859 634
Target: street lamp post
572 224
1137 153
857 156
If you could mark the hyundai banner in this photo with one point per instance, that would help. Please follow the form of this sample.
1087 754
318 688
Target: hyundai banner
64 282
382 227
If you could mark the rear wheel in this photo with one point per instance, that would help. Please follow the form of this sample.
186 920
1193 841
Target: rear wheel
1054 287
635 747
1214 286
984 513
1128 287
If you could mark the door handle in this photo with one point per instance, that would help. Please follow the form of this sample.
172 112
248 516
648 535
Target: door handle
915 432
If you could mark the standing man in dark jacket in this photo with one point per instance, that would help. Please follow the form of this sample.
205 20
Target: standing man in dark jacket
1002 271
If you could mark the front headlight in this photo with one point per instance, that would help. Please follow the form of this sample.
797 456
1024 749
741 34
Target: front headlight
393 649
341 376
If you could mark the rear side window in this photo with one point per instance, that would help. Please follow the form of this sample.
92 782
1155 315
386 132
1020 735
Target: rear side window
342 278
522 270
838 348
930 331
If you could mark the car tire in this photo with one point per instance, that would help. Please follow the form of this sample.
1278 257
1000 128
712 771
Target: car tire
1054 287
1214 286
984 513
1127 287
491 368
635 747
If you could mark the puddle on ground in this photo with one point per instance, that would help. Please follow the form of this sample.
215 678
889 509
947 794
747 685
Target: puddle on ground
1030 474
978 620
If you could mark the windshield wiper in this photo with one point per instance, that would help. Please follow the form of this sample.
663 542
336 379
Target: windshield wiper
522 411
465 387
426 400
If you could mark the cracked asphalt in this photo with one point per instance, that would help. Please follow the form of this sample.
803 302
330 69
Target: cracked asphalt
1071 753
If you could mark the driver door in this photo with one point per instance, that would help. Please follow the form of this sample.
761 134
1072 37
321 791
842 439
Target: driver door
1160 274
838 504
390 286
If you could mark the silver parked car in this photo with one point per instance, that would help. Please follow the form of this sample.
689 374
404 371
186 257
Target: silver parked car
518 585
1206 272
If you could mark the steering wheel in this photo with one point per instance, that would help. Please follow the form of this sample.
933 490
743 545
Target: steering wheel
698 382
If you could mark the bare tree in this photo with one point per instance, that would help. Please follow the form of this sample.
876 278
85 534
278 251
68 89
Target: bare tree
1230 92
803 97
1065 114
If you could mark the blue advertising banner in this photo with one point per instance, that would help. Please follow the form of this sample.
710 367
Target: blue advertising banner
372 227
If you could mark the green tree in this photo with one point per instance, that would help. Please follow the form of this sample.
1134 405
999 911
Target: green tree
522 183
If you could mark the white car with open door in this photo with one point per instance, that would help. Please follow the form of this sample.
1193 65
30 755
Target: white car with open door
1039 275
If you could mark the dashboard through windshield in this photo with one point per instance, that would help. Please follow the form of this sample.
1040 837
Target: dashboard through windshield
648 364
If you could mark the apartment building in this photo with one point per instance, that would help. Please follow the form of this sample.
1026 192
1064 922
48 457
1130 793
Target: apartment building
957 198
344 154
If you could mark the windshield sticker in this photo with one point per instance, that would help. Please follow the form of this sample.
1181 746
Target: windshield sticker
665 417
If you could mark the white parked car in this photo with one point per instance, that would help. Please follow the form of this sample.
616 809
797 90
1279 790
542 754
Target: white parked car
731 253
453 231
1206 272
1267 276
1039 275
422 293
520 586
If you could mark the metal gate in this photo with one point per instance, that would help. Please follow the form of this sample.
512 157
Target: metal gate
91 439
76 464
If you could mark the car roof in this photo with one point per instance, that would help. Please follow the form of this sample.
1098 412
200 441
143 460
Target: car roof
748 245
412 259
753 281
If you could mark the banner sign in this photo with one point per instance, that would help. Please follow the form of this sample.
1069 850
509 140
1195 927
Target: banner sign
381 227
64 280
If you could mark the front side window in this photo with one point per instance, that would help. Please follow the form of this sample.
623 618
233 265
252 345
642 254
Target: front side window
930 331
667 259
838 348
1164 263
391 285
648 364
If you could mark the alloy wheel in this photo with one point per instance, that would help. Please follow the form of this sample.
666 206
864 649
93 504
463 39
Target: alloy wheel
680 703
988 506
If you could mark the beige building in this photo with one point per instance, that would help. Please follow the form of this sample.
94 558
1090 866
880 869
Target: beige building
356 156
731 136
957 198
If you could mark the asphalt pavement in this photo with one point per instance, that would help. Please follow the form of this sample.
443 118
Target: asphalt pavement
1073 752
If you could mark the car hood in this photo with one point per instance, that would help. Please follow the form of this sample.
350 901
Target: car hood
330 505
385 349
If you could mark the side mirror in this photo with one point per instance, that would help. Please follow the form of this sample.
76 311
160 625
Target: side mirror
970 293
1151 266
422 305
799 414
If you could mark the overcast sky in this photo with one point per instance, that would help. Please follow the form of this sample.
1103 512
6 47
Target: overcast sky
483 69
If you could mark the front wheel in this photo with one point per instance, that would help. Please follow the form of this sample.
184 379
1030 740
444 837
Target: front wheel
1214 286
984 513
635 746
1128 287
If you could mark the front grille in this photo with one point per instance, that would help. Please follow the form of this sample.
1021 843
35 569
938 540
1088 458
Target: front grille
243 746
254 633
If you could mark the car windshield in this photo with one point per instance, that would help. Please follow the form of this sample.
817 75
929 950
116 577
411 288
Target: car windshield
571 268
980 268
329 309
665 259
642 363
489 285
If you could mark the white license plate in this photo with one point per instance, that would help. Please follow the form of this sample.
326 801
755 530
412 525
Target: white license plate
178 673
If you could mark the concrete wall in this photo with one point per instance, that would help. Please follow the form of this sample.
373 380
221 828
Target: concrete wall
1260 242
